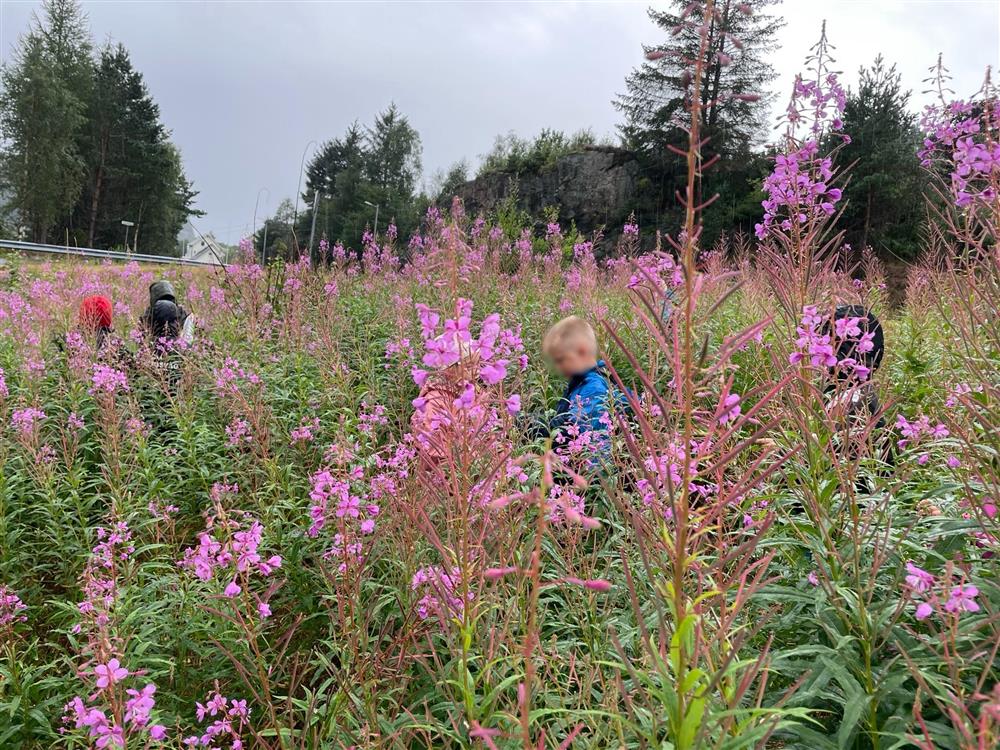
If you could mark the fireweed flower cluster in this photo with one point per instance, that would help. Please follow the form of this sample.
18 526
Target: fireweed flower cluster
370 418
231 376
102 725
12 612
961 137
228 725
107 380
564 505
919 430
305 432
657 269
663 475
347 500
798 190
26 420
923 433
114 715
100 580
946 596
230 551
349 513
449 342
818 343
238 432
958 391
441 592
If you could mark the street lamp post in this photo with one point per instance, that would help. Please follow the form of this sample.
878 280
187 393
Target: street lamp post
302 166
128 225
376 207
312 231
253 229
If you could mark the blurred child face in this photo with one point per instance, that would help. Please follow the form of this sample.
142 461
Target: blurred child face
573 358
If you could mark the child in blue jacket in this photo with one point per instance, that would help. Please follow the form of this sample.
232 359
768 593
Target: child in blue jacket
586 403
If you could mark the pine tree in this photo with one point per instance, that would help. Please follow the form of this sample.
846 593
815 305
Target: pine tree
741 39
394 154
133 171
378 165
84 145
41 111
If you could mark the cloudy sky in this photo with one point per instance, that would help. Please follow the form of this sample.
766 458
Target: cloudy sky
246 86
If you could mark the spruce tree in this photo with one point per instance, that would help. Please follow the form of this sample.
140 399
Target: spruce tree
42 108
742 38
884 205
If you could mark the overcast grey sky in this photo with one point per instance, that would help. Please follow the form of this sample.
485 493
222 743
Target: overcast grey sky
244 86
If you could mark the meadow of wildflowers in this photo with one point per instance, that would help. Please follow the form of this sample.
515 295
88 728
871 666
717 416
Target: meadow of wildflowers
270 539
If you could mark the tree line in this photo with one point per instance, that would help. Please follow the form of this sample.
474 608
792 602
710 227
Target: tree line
368 169
84 149
884 182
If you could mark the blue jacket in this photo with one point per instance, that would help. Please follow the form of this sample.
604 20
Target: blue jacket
587 399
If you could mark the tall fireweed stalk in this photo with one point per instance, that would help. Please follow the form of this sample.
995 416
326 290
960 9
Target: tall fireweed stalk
694 452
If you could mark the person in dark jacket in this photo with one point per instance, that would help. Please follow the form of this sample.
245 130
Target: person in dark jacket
860 347
851 397
162 291
164 318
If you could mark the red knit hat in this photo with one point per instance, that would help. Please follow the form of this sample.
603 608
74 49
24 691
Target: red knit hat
95 312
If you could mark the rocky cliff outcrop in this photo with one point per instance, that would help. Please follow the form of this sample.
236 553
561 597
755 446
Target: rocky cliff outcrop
593 188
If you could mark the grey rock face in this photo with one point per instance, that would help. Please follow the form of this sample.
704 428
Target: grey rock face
593 188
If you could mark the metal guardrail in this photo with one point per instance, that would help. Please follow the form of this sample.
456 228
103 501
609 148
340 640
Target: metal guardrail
90 252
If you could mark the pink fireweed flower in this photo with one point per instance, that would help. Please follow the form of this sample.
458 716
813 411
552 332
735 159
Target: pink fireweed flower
918 579
231 376
729 408
25 420
305 432
140 704
442 595
962 599
229 725
238 432
110 673
107 380
467 398
11 610
513 404
370 418
235 558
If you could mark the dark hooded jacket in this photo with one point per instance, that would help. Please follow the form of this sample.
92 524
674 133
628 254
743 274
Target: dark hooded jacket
847 348
858 402
162 291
